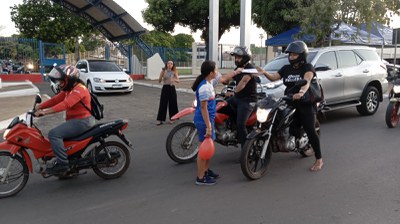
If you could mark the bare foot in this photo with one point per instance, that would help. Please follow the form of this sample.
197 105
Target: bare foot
317 165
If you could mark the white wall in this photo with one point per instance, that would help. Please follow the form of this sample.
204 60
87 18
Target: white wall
154 67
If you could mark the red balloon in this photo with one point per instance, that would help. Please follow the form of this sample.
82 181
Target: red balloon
207 149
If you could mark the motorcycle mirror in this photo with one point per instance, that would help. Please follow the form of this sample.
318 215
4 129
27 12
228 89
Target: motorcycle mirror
38 98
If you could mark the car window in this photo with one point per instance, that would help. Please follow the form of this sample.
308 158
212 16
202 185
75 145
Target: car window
348 59
311 56
368 55
276 64
329 59
103 66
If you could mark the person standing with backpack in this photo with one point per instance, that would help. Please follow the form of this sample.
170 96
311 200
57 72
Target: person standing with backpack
78 118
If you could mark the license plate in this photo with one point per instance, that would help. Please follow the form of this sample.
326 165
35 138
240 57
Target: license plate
117 86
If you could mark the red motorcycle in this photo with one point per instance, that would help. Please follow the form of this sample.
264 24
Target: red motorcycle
90 150
183 143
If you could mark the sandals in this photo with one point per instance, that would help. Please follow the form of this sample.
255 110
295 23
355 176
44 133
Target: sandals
317 166
160 123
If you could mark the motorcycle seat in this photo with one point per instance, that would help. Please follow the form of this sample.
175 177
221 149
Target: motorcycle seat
96 129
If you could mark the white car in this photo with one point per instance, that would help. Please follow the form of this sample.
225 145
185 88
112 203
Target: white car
103 76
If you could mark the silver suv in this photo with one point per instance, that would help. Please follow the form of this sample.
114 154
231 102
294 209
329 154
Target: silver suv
351 76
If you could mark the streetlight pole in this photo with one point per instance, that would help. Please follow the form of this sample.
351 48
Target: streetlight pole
261 38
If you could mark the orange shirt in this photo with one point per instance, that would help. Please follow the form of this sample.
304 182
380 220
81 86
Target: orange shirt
70 102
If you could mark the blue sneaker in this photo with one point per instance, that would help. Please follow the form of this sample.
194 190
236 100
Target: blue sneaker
211 173
206 180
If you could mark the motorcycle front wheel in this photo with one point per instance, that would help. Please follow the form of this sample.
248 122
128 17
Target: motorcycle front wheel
392 117
112 160
183 143
253 167
15 179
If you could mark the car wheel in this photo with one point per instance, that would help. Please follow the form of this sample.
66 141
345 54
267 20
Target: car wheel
369 101
90 87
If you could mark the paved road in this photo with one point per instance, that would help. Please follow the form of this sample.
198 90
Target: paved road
359 184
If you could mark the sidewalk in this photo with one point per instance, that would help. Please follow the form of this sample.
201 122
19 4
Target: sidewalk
15 99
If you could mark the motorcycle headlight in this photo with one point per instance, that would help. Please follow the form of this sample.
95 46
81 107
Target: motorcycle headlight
262 115
5 134
98 80
396 88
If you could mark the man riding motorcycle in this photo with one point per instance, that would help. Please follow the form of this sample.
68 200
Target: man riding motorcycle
78 118
245 95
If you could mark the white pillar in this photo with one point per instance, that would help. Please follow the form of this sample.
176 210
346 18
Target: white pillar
213 30
245 22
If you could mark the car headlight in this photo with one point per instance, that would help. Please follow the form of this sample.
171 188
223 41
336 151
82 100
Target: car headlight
130 79
262 114
396 88
98 80
6 133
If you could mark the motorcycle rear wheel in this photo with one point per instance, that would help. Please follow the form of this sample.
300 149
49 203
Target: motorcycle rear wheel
391 117
183 143
17 176
253 167
114 167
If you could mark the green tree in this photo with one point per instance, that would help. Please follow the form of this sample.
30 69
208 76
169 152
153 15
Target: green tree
272 15
194 14
323 16
159 39
183 41
47 21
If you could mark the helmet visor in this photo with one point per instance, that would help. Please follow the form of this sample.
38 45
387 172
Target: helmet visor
55 74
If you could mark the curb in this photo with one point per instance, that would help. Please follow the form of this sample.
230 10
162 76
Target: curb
21 92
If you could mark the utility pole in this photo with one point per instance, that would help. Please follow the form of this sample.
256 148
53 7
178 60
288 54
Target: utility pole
261 38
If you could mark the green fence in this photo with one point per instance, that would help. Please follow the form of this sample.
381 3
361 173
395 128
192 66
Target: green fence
19 55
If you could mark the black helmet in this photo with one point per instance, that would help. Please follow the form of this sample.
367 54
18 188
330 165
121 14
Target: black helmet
243 52
298 47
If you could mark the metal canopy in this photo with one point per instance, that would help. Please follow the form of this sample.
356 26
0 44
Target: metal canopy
110 19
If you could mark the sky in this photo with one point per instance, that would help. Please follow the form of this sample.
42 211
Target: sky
134 8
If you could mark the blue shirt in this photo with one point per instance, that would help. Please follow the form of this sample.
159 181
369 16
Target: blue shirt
205 92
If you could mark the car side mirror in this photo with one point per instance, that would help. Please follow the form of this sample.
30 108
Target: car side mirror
322 67
83 70
125 70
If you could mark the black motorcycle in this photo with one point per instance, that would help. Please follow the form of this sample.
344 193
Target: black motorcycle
274 116
392 110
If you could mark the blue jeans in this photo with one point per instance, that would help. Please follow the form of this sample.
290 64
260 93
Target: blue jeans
68 129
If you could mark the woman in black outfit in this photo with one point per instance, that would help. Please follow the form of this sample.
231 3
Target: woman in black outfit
305 112
168 99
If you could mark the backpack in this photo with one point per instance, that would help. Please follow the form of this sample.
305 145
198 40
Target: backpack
97 107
